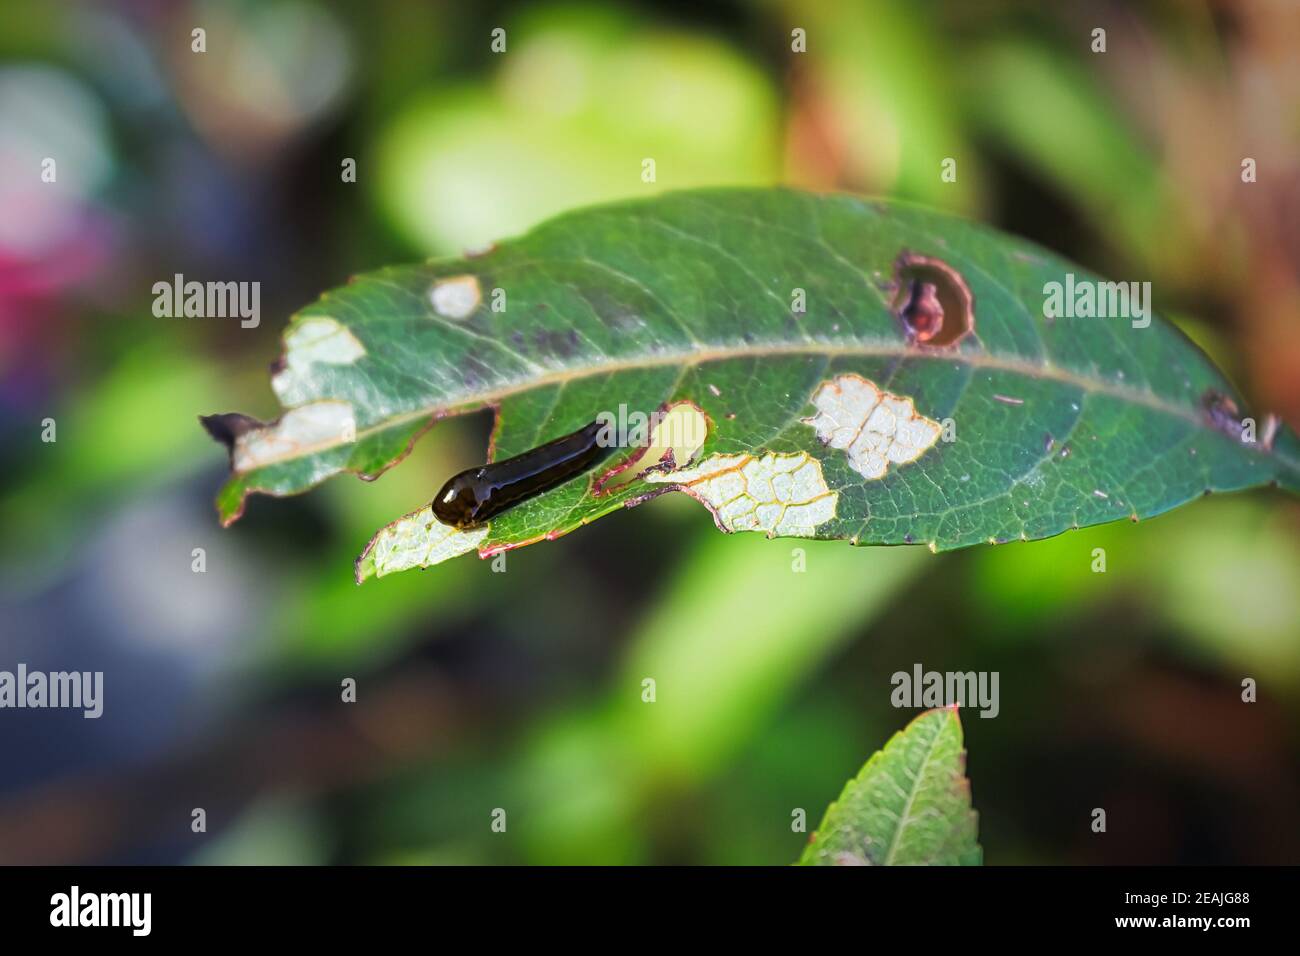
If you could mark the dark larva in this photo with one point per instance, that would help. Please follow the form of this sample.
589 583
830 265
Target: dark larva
477 494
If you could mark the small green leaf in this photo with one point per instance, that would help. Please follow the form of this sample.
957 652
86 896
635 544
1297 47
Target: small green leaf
798 330
909 806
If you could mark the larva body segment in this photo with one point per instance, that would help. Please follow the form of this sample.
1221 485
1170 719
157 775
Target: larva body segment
477 494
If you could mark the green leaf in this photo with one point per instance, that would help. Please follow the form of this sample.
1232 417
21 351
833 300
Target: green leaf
1024 428
908 806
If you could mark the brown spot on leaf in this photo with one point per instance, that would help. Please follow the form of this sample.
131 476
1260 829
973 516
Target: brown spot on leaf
1222 413
227 427
932 300
561 343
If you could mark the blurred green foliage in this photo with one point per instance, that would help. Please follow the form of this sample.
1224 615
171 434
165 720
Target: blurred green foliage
564 117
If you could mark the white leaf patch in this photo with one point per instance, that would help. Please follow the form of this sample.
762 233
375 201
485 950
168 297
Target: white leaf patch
679 432
317 338
873 427
417 540
455 298
776 494
299 431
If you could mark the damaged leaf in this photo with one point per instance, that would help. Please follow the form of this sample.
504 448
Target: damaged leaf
849 369
910 805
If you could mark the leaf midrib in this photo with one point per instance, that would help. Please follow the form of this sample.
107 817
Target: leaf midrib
692 357
911 797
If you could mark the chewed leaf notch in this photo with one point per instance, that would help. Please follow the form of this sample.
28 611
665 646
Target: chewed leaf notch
877 410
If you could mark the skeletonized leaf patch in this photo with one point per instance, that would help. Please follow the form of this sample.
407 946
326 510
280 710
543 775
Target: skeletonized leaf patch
874 428
417 540
317 339
776 494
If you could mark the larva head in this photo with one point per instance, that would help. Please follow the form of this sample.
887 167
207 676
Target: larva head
458 503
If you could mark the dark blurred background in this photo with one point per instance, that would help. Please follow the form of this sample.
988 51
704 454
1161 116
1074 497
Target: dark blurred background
522 690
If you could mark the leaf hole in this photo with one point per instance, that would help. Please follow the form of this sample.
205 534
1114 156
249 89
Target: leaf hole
932 301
